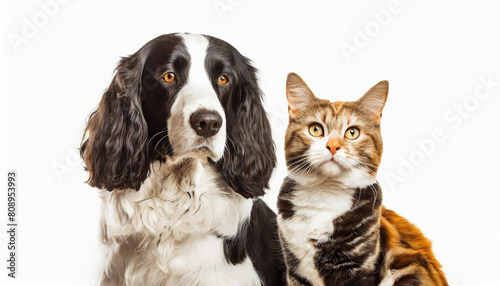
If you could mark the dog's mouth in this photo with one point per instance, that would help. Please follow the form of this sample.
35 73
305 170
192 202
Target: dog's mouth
201 148
203 152
204 149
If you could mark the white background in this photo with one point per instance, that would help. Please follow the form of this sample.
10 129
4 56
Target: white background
56 62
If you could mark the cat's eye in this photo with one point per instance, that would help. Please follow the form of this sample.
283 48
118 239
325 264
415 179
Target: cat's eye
169 77
352 133
316 130
223 79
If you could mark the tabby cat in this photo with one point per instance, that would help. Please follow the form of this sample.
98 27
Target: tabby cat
333 227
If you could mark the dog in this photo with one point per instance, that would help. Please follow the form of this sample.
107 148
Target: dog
181 149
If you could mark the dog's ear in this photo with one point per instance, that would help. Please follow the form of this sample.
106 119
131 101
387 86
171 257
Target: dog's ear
249 157
114 147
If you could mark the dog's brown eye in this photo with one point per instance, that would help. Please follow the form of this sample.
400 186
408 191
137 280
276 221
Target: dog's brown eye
169 77
352 133
222 79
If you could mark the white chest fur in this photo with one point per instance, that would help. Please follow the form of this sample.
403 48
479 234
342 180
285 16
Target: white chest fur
316 206
173 222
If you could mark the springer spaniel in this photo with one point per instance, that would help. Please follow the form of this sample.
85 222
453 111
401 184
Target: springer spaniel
181 147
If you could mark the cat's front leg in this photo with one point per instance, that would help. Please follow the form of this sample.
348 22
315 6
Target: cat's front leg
292 281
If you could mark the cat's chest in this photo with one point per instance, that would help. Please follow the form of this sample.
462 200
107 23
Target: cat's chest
314 209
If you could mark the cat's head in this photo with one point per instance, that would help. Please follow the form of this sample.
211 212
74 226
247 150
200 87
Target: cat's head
337 140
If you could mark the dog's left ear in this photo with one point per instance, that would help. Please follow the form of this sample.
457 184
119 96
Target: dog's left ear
249 157
116 137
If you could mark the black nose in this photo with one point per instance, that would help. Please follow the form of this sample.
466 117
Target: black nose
206 123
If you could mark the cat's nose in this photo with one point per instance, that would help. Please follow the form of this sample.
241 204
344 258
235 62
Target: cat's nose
334 145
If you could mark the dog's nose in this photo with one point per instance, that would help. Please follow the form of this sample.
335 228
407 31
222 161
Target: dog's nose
206 123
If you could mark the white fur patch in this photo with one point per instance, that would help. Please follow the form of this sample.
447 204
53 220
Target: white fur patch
316 206
389 277
388 280
197 93
173 220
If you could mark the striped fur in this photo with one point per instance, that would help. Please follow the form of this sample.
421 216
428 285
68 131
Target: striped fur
333 227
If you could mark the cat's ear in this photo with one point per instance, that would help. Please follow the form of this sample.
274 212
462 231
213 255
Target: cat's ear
298 94
373 101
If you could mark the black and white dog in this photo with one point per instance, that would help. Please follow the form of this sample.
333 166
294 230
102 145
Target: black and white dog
181 145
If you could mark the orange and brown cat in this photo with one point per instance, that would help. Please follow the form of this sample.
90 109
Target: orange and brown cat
333 227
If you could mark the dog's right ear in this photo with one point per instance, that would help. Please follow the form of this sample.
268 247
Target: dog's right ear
114 147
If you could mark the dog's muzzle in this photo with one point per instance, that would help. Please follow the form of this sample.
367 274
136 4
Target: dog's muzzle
206 123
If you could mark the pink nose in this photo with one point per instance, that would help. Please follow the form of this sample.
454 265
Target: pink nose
333 145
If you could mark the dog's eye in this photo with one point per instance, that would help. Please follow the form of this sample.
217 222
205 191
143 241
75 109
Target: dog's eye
169 77
222 79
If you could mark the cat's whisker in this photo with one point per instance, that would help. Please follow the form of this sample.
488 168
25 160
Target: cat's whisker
363 170
308 170
295 162
311 168
298 161
303 170
375 195
298 167
365 163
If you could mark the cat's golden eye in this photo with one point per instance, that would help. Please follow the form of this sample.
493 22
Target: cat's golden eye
169 77
223 79
316 130
352 133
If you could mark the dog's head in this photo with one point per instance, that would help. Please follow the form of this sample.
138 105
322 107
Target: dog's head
181 95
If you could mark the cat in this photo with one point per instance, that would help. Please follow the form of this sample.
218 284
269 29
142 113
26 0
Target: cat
332 225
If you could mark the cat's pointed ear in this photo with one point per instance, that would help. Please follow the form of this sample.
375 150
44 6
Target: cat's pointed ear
373 101
298 94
